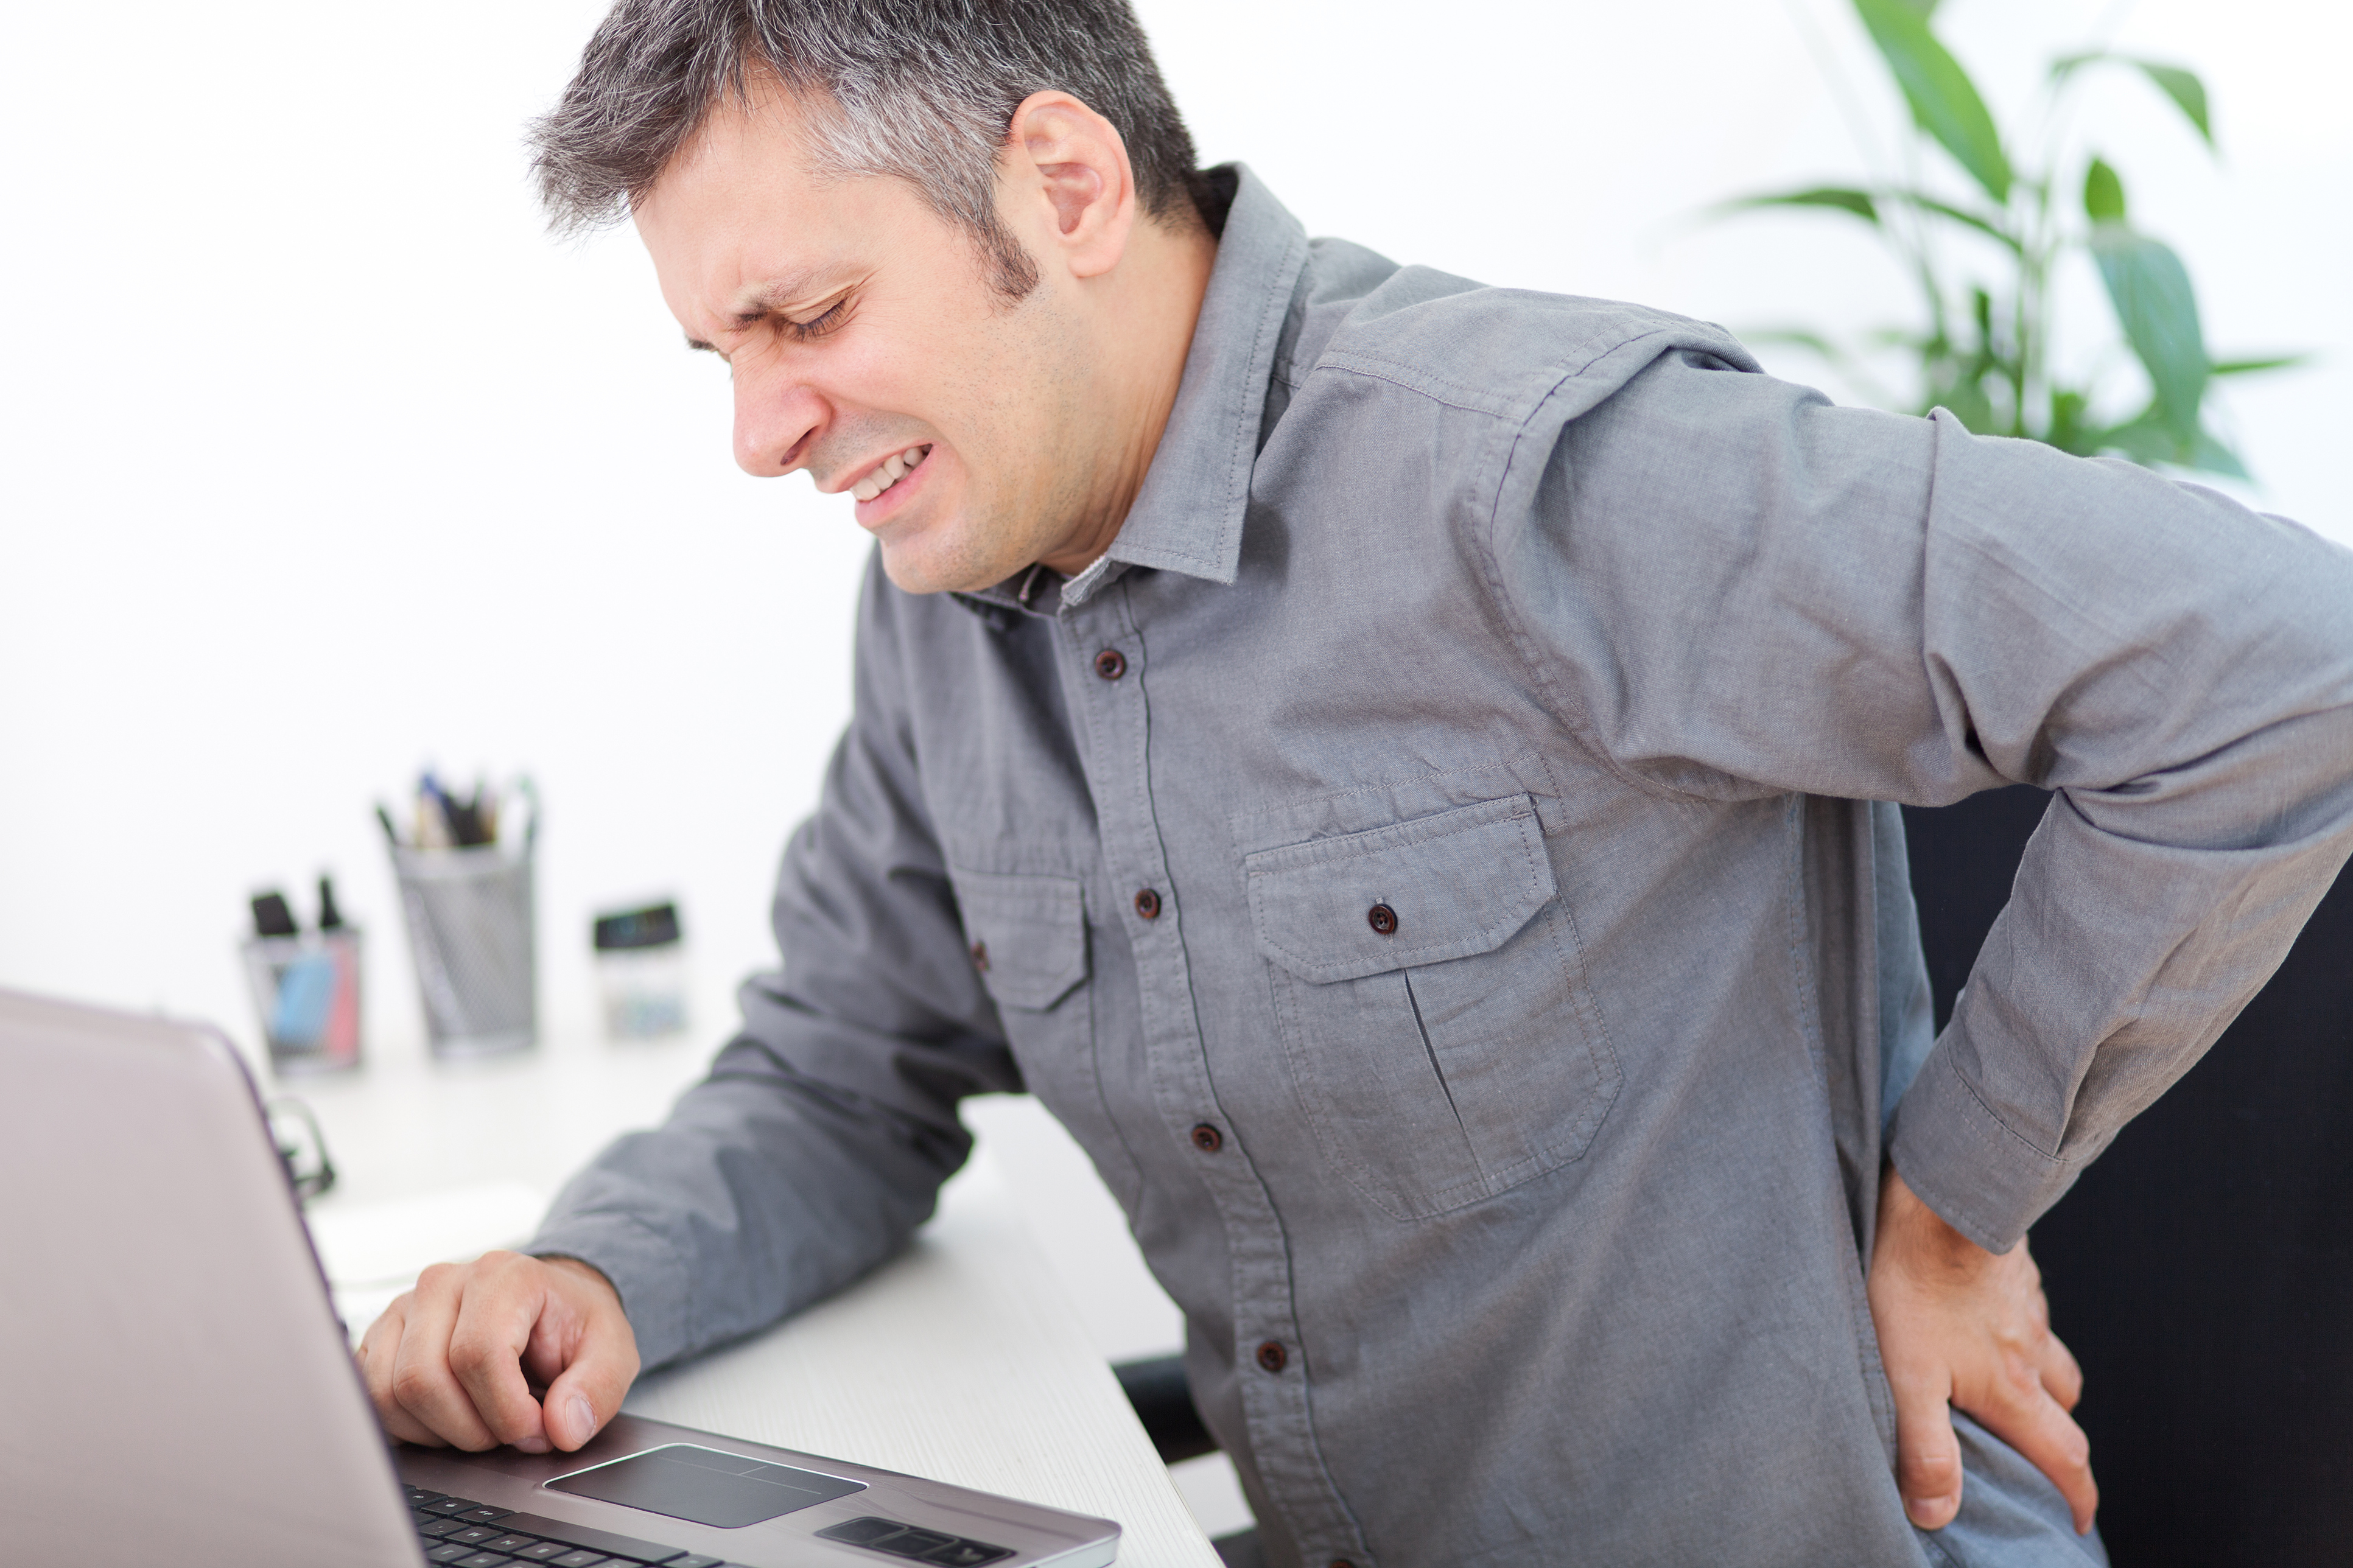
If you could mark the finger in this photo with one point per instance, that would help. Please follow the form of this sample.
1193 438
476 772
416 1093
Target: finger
2061 1375
375 1355
596 1377
2033 1424
497 1310
1927 1451
421 1380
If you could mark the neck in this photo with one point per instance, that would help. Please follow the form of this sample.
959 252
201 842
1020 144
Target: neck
1142 332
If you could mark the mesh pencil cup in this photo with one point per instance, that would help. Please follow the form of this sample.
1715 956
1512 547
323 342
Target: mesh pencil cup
471 932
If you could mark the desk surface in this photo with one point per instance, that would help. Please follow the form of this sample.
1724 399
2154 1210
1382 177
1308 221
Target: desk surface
962 1358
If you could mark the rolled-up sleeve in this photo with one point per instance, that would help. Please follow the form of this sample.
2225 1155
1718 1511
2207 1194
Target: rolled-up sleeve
1736 588
819 1141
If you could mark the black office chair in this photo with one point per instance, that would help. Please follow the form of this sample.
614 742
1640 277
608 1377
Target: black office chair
2202 1270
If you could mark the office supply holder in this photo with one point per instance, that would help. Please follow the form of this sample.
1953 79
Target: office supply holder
306 989
472 932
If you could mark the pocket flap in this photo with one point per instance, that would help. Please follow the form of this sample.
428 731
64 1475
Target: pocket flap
1028 934
1461 882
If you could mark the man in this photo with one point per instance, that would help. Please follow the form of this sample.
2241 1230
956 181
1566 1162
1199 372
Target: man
1389 762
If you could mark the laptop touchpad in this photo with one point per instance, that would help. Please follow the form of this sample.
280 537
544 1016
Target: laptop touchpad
685 1480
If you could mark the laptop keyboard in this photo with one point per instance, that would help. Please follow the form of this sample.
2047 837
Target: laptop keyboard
464 1533
470 1534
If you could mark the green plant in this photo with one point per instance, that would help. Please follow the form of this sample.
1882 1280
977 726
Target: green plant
1984 354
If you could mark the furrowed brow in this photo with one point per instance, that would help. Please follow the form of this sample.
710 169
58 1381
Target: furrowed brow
773 296
758 301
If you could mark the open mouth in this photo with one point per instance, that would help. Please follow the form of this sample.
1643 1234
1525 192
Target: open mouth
893 469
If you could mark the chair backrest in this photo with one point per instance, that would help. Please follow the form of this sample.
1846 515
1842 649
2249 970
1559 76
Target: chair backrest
2202 1269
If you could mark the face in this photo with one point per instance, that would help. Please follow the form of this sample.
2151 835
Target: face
867 345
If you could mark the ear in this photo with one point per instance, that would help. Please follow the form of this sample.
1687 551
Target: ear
1066 176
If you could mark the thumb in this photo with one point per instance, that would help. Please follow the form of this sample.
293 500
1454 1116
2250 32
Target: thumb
587 1397
1927 1453
589 1391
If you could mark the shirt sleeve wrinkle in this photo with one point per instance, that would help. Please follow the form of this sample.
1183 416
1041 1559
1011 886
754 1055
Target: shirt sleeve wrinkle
2182 671
819 1141
1738 589
1702 552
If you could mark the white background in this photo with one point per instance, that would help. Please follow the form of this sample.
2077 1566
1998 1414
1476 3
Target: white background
319 462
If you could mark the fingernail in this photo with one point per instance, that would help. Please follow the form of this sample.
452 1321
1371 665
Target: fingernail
1927 1512
583 1419
533 1444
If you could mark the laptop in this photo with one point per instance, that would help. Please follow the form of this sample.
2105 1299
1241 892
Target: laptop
175 1386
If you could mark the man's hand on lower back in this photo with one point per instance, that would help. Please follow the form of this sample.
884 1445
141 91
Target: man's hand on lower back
1964 1328
454 1361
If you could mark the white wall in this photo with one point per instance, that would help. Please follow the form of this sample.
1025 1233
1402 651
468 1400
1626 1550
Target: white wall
318 462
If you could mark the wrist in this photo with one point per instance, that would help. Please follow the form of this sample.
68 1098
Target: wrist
585 1271
1918 1236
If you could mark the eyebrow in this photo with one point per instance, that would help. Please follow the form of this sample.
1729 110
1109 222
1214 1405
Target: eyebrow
761 299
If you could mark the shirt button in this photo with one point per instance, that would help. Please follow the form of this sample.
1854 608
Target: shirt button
1273 1356
1382 919
1110 664
1147 903
980 956
1208 1141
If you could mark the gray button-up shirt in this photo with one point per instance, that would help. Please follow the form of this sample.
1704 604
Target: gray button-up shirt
1491 688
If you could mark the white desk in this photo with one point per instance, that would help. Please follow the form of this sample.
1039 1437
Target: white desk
961 1360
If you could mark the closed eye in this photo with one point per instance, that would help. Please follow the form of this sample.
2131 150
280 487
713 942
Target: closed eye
823 324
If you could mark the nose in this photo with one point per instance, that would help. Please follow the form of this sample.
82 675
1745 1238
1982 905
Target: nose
777 417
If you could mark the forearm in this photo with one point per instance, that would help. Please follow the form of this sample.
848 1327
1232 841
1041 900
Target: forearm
820 1142
761 1193
2114 966
1740 590
2202 746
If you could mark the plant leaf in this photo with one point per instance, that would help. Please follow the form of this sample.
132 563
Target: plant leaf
2207 453
2067 430
2103 193
2148 440
2188 93
1978 221
1943 99
1958 388
2144 438
2250 366
2158 309
1858 203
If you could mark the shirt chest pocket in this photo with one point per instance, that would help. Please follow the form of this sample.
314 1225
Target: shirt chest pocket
1028 943
1433 1005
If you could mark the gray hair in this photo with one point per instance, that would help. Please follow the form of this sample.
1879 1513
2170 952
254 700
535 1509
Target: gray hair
923 90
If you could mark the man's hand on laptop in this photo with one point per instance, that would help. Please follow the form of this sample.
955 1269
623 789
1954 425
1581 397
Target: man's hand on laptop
454 1362
1964 1328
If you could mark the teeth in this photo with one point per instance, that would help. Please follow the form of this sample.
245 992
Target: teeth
892 469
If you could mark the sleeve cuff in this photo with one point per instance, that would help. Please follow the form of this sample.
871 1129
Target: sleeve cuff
1958 1156
644 1268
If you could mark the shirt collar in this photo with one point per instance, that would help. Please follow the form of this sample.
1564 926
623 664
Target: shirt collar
1187 515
